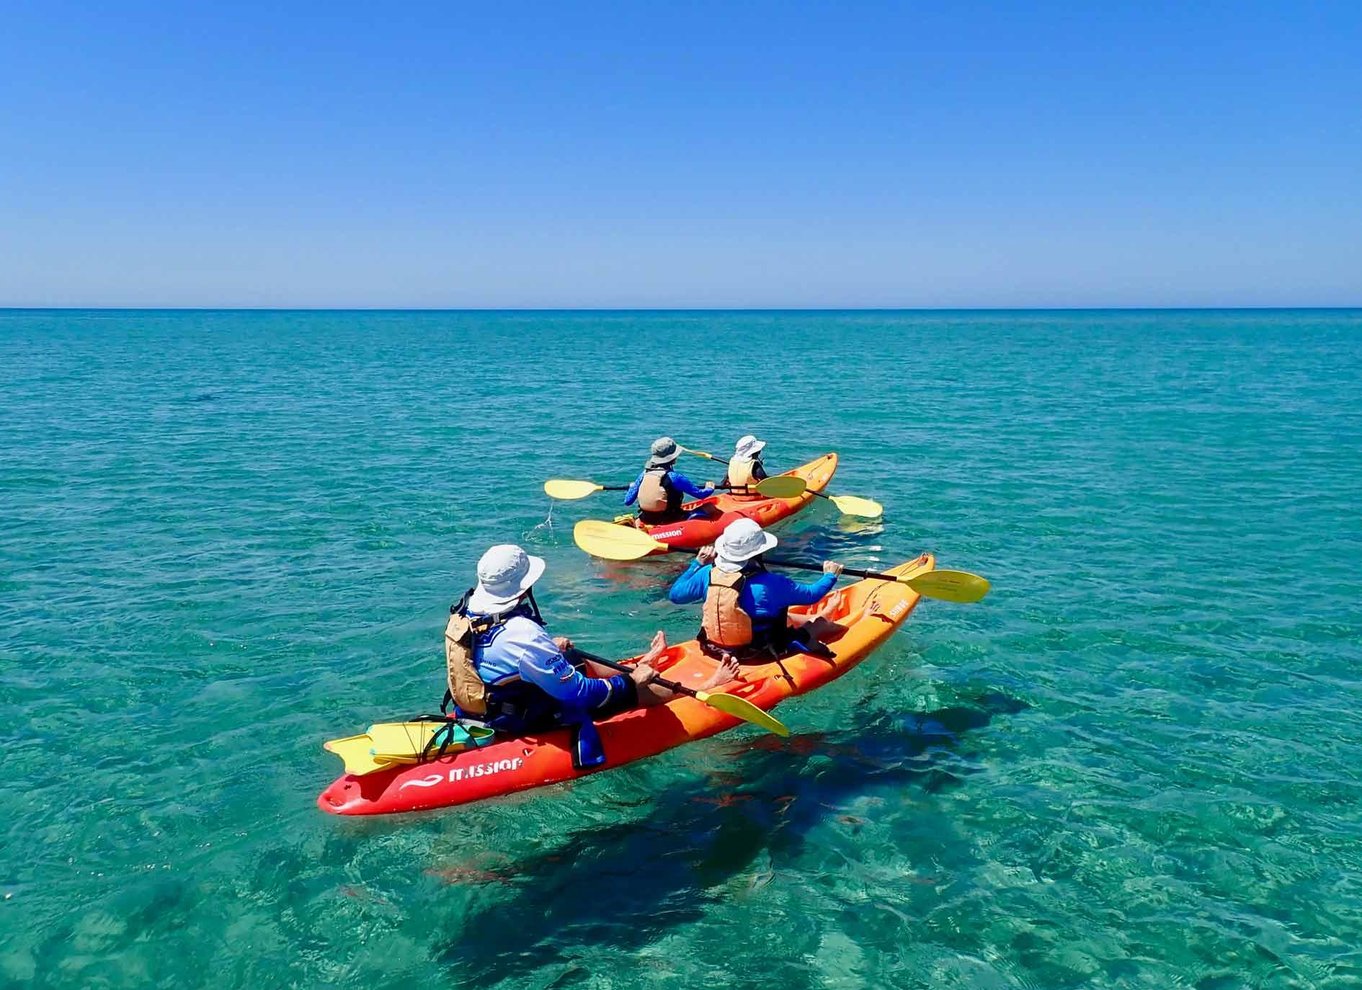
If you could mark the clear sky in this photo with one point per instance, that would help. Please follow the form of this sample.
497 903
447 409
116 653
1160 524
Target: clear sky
680 154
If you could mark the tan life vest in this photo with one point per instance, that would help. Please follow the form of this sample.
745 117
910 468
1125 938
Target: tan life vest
724 623
652 494
740 472
468 689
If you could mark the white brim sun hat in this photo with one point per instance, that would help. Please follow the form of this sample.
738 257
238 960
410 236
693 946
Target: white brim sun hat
739 543
505 573
748 447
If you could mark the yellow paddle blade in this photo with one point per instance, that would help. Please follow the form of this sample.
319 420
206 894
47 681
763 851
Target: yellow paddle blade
853 505
744 710
781 486
699 453
949 586
357 752
388 743
401 739
569 490
405 742
612 542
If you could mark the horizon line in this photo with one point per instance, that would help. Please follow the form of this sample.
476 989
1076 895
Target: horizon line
669 309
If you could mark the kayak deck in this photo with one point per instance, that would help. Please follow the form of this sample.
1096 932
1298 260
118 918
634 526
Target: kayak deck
538 760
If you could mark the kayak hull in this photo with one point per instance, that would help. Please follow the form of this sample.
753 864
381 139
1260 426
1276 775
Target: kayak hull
537 761
724 508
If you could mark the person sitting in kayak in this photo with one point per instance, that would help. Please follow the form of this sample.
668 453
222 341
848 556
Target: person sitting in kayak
659 490
746 609
505 670
745 466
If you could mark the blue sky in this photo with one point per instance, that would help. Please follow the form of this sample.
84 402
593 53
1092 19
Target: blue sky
680 154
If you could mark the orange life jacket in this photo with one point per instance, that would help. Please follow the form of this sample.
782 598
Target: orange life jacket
653 495
724 622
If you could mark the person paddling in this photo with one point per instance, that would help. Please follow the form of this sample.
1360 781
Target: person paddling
505 670
746 606
745 466
659 490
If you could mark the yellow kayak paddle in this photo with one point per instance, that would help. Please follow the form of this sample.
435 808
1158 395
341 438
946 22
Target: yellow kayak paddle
726 703
613 541
854 505
389 743
358 754
782 486
850 505
569 491
946 586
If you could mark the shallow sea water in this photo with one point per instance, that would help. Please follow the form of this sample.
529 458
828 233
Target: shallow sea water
226 537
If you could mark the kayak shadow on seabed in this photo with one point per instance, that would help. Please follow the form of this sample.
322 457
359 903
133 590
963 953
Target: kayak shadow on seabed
623 885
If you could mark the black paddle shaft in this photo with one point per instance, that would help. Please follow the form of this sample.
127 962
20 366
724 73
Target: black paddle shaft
669 685
853 571
625 488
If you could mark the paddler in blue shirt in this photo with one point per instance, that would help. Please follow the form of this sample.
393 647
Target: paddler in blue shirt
505 670
659 490
746 606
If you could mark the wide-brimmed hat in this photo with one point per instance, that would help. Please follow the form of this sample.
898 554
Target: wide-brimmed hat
748 447
664 451
742 540
505 572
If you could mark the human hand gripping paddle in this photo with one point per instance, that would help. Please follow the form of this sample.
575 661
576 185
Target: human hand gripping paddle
612 542
783 486
727 703
851 505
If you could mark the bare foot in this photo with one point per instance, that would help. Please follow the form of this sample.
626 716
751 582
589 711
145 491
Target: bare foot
824 610
656 648
725 672
870 608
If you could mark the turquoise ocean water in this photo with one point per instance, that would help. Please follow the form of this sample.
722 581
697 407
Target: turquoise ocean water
226 537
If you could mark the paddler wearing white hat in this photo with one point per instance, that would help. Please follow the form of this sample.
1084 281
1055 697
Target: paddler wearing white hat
745 466
746 607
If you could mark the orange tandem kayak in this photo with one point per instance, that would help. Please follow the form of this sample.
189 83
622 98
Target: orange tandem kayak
535 761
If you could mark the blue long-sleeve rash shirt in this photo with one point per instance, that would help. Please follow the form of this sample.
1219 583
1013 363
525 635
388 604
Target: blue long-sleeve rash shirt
764 596
522 647
679 480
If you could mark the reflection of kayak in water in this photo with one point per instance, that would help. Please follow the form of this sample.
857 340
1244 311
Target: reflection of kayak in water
871 609
722 509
